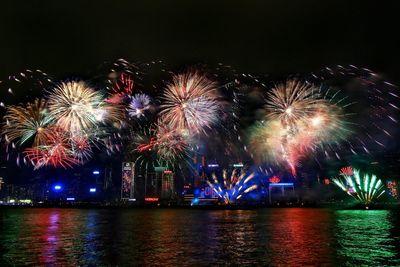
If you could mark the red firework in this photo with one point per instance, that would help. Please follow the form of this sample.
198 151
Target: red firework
347 171
55 156
122 88
56 152
171 143
274 179
81 147
147 146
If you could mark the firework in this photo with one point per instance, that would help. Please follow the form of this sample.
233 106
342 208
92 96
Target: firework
265 142
142 148
346 171
76 107
172 144
392 188
160 144
299 120
267 145
56 152
26 123
191 103
365 188
122 88
374 108
234 187
292 104
81 148
293 101
112 115
274 179
138 105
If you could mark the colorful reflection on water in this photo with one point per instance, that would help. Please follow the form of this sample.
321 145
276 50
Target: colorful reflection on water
171 237
368 238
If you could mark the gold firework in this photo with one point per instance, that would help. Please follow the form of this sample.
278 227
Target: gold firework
27 122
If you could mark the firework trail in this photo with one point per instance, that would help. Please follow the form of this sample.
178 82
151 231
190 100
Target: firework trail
24 86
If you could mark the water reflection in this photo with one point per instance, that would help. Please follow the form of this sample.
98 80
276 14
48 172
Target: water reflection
301 237
168 237
49 239
365 238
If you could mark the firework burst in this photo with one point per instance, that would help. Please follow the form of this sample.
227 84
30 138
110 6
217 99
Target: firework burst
191 102
81 148
138 105
121 89
292 101
299 120
374 108
160 145
234 186
26 123
364 188
172 144
56 152
76 107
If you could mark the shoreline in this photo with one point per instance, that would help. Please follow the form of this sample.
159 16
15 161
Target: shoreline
341 206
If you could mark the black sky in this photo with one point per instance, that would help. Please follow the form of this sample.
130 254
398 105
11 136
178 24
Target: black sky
263 37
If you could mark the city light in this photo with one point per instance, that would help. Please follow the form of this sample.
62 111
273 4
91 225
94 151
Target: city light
57 187
238 165
70 199
195 201
151 199
96 172
92 190
213 165
282 184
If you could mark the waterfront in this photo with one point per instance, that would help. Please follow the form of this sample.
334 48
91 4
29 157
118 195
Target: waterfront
275 237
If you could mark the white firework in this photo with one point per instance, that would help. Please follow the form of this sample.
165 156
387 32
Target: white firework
138 105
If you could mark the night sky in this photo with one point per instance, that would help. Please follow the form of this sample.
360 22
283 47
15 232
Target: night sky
276 38
67 38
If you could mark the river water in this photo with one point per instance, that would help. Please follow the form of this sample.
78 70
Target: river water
185 237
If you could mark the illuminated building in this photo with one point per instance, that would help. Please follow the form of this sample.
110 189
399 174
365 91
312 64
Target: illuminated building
128 180
167 185
278 192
